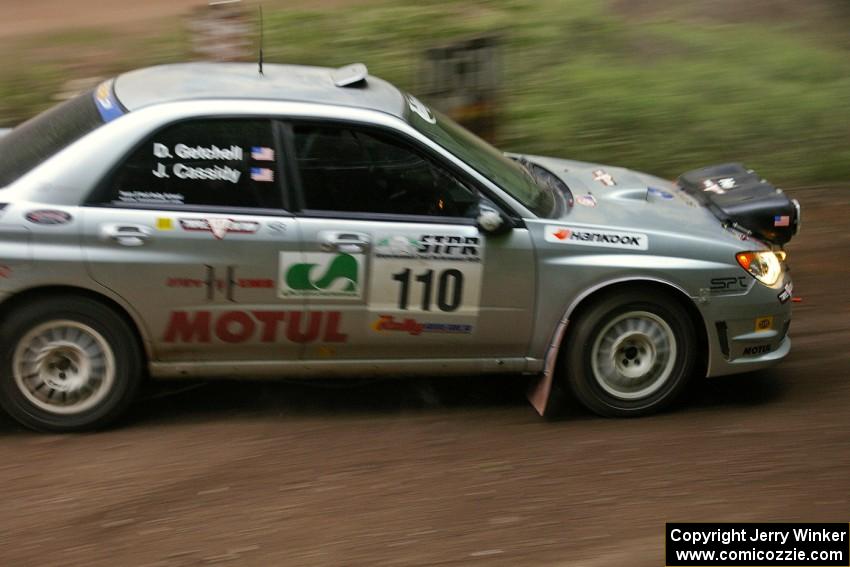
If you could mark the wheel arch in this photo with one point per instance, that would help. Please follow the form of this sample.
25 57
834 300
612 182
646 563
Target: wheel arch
34 294
593 294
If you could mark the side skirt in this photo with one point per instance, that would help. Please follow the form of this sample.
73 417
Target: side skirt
337 368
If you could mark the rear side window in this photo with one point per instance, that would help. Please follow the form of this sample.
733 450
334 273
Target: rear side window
209 162
40 138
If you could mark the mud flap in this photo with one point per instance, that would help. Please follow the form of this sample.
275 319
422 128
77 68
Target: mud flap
540 389
538 393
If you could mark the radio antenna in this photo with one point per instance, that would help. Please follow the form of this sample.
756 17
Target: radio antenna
261 39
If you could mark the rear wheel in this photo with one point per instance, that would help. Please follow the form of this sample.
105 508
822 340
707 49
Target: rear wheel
630 354
68 364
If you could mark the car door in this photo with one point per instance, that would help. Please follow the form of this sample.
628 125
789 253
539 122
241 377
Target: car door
188 229
390 242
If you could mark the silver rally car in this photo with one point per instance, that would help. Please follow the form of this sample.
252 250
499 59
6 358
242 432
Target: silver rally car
209 221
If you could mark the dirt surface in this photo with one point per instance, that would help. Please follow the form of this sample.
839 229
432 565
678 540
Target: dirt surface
447 471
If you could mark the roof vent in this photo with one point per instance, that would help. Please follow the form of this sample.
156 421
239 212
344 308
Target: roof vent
350 75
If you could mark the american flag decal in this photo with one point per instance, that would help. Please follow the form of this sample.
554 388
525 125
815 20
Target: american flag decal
781 220
262 153
262 174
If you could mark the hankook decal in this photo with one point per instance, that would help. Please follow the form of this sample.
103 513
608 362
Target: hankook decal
597 237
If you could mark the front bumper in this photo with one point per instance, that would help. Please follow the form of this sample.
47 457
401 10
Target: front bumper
747 332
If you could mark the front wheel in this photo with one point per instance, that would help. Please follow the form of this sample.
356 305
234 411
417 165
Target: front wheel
630 354
68 364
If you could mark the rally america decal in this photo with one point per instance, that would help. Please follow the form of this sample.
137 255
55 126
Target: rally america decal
596 237
219 227
411 326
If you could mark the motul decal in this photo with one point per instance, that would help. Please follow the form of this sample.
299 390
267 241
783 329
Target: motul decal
220 227
236 327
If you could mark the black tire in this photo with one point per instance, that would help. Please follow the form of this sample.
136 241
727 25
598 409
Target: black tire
605 343
99 340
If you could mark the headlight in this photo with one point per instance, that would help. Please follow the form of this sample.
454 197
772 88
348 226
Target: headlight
765 266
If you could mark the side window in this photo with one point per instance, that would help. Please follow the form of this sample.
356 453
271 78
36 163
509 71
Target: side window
228 163
350 170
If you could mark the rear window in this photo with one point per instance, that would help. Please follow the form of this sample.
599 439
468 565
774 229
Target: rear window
42 137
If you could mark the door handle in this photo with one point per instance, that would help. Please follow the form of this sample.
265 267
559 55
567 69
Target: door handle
126 234
332 241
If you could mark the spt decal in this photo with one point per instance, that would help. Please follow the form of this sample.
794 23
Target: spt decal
728 284
332 275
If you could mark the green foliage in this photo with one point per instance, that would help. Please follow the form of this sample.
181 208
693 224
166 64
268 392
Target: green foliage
580 79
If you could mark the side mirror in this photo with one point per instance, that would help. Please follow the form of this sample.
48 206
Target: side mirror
492 221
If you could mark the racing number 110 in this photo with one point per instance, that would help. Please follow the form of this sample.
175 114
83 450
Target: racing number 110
449 289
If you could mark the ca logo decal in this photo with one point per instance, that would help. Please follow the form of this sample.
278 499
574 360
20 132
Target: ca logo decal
322 275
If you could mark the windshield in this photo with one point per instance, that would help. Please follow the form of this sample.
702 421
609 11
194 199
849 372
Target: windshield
47 134
484 158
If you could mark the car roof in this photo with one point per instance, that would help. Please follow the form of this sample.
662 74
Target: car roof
295 83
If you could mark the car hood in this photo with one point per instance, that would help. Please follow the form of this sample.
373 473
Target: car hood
4 131
605 195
